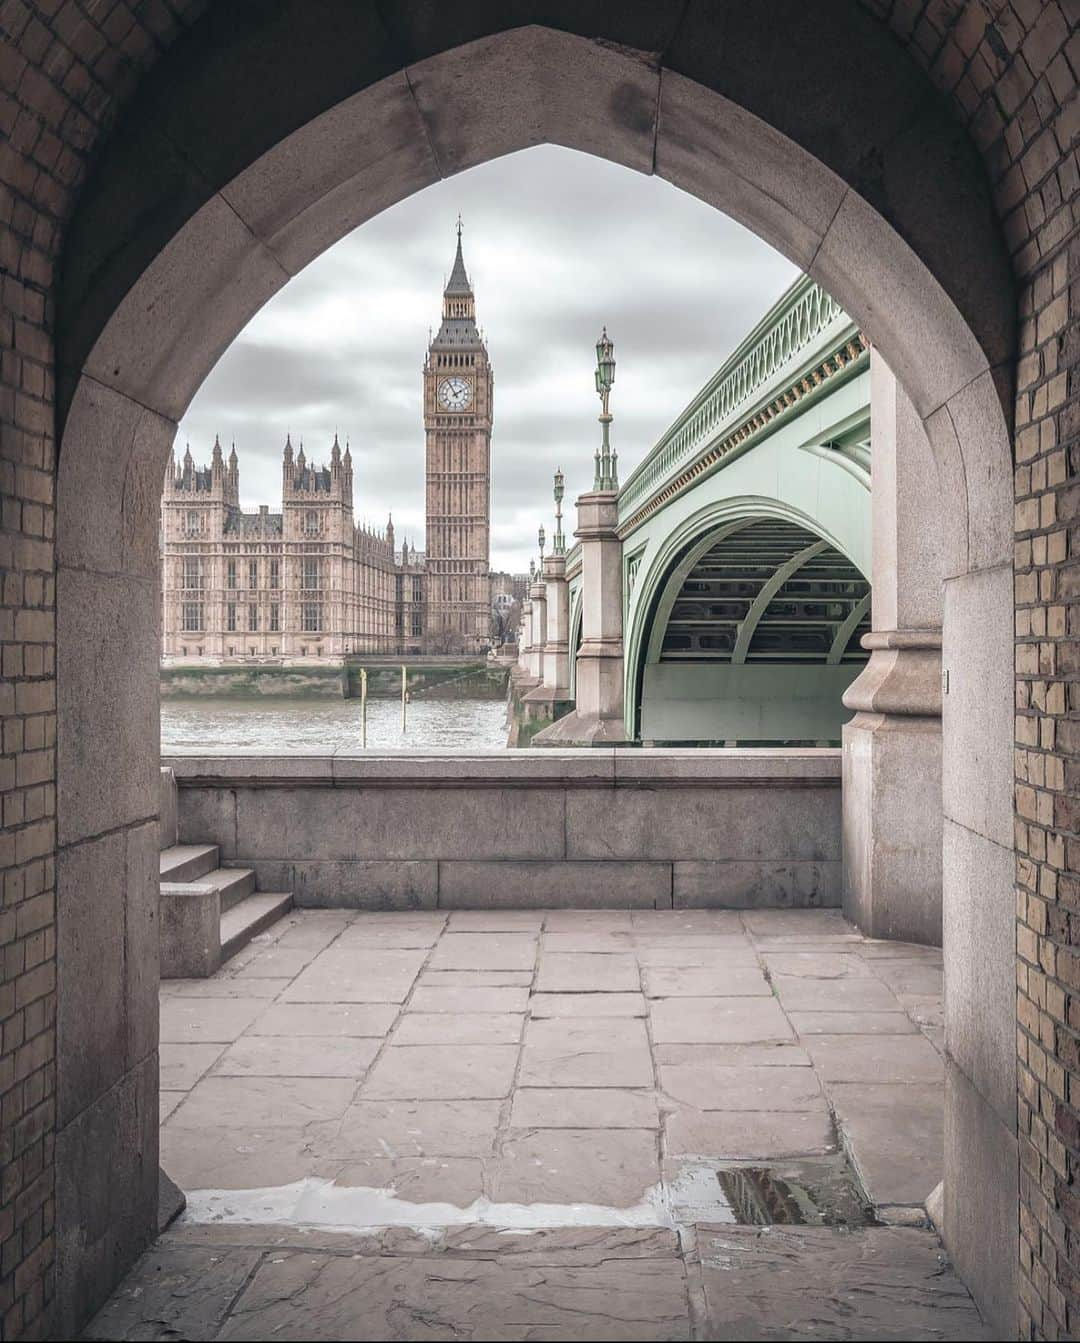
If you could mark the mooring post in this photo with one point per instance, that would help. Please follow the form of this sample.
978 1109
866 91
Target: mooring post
404 695
363 708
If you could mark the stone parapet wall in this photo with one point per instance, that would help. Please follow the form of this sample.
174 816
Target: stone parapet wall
588 828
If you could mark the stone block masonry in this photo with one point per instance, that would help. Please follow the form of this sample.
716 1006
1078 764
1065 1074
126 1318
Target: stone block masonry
588 828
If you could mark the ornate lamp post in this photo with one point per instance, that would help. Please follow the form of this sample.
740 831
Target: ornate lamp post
541 538
607 463
558 541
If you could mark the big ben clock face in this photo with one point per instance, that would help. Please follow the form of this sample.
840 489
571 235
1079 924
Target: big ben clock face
455 393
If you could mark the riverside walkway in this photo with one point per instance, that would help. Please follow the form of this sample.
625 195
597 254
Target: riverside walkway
552 1125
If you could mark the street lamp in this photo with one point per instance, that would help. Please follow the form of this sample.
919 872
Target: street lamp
607 466
541 538
558 544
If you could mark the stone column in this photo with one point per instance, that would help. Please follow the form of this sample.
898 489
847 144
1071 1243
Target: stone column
551 699
597 717
892 747
538 628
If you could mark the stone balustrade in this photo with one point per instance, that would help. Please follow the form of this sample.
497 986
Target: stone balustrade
593 827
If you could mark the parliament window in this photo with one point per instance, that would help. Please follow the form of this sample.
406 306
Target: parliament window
192 572
311 616
275 573
311 523
310 576
417 623
275 617
230 617
253 617
230 573
253 574
193 616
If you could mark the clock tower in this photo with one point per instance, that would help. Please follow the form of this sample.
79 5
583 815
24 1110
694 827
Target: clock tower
458 386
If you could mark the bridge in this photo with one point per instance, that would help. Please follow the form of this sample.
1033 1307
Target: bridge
742 544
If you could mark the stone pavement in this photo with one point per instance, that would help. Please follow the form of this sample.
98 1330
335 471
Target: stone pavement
550 1125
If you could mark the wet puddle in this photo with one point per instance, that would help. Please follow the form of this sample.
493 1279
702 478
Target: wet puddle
817 1192
814 1192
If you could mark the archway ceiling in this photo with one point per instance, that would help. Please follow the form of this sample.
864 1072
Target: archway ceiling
394 96
811 594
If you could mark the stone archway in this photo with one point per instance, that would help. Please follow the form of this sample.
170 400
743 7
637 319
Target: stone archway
826 142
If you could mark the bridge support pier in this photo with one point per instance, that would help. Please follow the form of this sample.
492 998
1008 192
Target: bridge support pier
551 699
597 718
892 826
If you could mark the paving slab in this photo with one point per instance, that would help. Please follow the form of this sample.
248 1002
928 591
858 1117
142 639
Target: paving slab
459 1028
878 1283
850 993
496 920
814 924
742 1135
717 1020
223 985
299 1056
366 935
251 1157
181 1065
484 951
587 1005
466 998
207 1020
614 1168
433 1072
597 939
895 1135
816 964
413 1128
852 1023
354 975
273 962
167 1103
584 1107
775 1054
915 977
175 1291
344 1297
262 1102
573 920
586 1052
448 979
458 1181
729 981
568 972
748 1088
883 1058
326 1019
672 952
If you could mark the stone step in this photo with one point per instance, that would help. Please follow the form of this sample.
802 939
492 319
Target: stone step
240 924
233 884
188 862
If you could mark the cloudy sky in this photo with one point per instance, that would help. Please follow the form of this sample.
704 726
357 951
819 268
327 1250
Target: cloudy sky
556 244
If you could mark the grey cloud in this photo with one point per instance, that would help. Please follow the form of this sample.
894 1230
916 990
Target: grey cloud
557 244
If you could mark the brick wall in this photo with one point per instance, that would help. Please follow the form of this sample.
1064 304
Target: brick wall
66 66
1012 71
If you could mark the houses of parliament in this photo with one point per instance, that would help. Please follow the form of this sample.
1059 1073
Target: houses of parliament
307 582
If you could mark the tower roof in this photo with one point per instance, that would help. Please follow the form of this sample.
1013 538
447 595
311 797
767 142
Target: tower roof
458 329
458 282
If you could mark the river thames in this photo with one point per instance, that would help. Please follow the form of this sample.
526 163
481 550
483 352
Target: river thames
332 724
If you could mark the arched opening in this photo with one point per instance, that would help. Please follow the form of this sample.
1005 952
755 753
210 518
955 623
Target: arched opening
163 268
753 638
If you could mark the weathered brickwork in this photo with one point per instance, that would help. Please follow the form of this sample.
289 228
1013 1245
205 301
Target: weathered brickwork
1011 69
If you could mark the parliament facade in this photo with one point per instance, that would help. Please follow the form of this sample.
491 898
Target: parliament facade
306 581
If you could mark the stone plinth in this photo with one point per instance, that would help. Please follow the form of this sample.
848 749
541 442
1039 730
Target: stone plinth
598 714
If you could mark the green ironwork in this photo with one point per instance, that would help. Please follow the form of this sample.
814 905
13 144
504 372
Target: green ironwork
805 326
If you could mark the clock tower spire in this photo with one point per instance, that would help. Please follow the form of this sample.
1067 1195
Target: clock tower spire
458 390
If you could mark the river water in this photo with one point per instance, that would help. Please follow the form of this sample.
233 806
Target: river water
329 724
